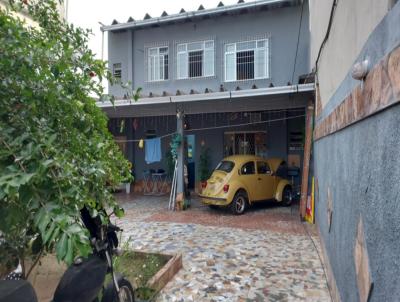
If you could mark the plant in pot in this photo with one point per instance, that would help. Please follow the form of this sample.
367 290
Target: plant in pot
204 165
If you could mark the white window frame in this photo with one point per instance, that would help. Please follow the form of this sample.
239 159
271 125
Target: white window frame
152 75
183 52
235 51
117 71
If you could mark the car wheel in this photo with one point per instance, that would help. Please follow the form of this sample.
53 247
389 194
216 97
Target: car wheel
287 196
239 203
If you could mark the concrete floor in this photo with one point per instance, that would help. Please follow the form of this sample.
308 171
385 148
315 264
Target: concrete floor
263 255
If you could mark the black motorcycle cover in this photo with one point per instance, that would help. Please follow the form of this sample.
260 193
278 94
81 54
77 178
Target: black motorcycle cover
17 291
82 282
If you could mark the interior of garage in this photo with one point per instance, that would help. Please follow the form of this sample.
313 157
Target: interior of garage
213 136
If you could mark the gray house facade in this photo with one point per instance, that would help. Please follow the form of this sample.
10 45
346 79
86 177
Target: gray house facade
238 73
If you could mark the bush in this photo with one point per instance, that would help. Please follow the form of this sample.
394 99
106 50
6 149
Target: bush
56 154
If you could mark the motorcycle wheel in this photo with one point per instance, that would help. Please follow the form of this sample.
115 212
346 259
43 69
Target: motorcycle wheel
126 293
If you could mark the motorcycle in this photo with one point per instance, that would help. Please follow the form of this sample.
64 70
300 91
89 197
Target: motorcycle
84 280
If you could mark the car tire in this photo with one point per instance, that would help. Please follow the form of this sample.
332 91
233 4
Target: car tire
239 203
287 196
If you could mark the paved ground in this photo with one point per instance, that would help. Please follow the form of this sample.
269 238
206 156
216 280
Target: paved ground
264 255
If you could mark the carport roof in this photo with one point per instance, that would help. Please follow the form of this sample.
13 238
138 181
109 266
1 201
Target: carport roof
284 97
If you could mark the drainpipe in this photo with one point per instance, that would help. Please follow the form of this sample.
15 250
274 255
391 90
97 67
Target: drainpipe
180 189
102 40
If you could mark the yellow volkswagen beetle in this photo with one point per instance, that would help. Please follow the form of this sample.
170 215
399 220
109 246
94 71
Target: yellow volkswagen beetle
241 180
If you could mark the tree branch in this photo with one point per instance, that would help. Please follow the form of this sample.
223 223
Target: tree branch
34 264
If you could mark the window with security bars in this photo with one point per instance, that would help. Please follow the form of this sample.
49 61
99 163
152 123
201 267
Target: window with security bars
195 59
246 142
157 61
246 60
117 71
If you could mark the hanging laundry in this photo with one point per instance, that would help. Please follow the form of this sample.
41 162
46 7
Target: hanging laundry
141 144
152 150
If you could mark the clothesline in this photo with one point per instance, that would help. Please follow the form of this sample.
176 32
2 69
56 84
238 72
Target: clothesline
219 127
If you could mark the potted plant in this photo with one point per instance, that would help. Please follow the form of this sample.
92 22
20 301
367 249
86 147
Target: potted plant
204 165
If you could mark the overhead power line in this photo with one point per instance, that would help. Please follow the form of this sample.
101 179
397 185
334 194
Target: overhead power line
219 127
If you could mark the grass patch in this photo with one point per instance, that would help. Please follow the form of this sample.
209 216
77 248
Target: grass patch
139 268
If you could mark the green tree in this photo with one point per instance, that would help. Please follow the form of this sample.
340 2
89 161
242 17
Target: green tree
56 154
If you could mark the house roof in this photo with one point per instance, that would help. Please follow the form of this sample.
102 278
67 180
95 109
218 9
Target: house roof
239 8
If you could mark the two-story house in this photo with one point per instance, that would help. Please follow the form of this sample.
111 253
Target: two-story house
238 73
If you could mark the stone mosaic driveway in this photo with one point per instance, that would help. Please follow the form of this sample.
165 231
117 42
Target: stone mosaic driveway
264 255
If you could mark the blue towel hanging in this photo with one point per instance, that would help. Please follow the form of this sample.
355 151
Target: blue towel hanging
152 150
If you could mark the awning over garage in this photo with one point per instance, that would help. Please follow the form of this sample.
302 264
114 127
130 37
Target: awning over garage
284 97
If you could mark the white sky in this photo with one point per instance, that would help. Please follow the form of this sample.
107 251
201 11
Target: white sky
87 13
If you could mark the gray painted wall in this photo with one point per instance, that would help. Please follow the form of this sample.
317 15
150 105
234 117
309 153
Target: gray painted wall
352 24
382 40
361 165
281 25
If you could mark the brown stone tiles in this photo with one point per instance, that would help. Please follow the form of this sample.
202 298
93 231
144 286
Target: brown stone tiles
379 90
263 255
275 222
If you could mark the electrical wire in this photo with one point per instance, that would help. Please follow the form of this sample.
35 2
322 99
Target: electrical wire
219 127
246 124
298 41
328 30
138 140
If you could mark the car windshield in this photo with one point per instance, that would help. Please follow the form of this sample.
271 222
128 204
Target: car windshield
225 166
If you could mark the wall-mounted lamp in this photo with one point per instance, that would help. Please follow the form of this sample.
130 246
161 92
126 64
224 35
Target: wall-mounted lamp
179 114
360 70
186 125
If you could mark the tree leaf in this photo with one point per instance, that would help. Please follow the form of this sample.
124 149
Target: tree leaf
54 235
74 228
119 212
61 247
43 223
49 232
69 257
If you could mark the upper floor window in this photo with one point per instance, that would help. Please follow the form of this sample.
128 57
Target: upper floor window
157 61
195 59
117 71
246 60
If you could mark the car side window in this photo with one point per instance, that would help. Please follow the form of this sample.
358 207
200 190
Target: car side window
263 168
248 168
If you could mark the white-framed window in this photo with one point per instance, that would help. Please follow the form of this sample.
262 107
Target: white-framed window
117 71
247 60
157 61
195 59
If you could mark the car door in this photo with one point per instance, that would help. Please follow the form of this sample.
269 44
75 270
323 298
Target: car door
265 181
248 177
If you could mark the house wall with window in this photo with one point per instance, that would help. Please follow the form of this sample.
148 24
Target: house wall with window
242 50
